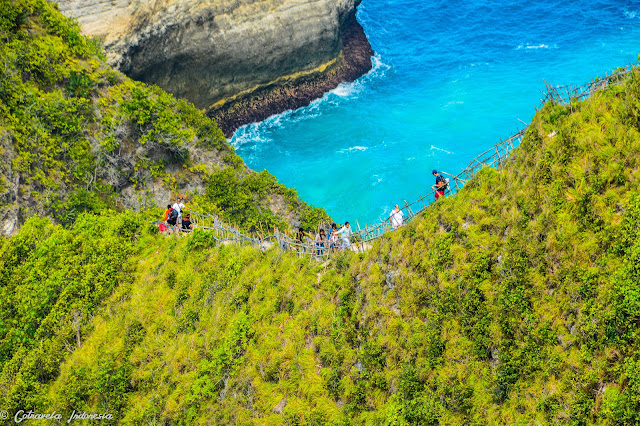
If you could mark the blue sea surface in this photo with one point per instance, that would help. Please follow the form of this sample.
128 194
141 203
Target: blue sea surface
450 79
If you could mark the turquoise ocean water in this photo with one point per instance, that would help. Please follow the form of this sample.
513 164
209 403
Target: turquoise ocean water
450 79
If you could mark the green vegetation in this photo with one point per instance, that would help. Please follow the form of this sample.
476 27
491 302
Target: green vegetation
514 302
78 136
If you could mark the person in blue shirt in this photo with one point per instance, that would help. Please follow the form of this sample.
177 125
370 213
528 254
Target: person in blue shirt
440 185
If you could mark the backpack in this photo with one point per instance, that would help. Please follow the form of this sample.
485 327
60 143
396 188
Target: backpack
444 181
173 214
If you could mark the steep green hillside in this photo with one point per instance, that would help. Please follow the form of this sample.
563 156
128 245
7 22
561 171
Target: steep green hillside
75 136
515 302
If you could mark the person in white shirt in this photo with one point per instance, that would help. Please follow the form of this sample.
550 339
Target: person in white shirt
345 233
178 206
396 217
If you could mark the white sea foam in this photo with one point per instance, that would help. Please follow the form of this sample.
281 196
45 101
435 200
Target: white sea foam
536 46
276 121
435 148
353 89
452 103
630 14
344 91
248 135
377 179
352 149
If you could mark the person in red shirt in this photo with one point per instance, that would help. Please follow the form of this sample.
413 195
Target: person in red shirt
166 212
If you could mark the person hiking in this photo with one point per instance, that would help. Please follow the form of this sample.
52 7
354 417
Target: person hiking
179 206
395 217
166 212
172 218
186 223
440 185
321 240
300 241
333 238
345 233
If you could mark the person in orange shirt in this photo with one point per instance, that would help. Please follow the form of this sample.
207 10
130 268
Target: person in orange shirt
166 212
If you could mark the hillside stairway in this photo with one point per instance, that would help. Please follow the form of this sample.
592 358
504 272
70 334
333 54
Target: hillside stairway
363 237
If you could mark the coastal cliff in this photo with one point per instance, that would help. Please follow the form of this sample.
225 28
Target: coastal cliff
241 60
77 136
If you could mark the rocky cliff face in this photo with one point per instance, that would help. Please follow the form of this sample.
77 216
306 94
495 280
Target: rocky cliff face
251 58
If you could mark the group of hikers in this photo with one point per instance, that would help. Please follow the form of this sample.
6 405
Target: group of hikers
336 239
173 217
331 242
339 239
396 217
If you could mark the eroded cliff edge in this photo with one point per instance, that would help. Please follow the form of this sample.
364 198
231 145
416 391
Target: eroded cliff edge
243 60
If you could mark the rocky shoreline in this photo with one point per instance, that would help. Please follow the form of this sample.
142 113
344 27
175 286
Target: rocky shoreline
239 61
354 61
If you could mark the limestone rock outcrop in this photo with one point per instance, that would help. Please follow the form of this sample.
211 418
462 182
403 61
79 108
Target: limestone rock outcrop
230 52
